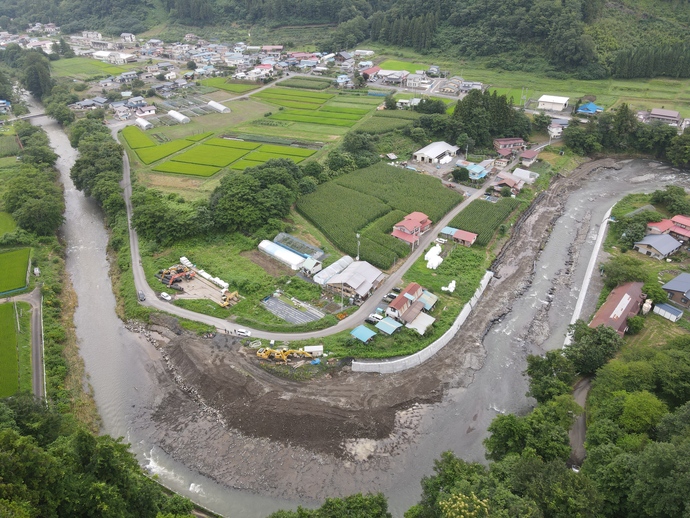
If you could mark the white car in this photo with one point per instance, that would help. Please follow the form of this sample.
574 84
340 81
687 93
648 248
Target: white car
376 316
243 332
165 296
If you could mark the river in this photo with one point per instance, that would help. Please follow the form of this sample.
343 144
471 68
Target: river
119 364
124 370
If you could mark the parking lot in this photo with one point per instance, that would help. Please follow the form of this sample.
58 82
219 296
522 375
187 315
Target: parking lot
290 313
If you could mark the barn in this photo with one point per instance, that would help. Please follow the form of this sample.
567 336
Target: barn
553 103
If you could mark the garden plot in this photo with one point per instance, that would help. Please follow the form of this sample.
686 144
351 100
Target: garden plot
290 313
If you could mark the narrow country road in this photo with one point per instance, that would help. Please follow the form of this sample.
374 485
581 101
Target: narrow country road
369 306
579 428
37 367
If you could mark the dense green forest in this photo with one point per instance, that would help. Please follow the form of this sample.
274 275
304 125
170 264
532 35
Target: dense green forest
590 38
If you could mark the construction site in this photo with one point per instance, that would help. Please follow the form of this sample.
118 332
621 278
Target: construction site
189 282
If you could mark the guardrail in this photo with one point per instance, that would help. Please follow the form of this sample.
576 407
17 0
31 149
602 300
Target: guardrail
413 360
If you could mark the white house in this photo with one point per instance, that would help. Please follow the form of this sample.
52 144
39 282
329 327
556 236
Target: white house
436 153
170 76
553 103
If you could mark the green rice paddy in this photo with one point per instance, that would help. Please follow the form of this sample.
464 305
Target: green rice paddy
9 367
148 155
13 265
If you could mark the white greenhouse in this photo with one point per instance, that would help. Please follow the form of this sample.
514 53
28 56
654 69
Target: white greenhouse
218 107
285 256
143 124
182 119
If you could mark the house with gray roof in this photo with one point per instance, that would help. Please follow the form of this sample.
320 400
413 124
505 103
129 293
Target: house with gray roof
659 246
678 289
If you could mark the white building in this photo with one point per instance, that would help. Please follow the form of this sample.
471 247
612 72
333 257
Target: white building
436 153
553 103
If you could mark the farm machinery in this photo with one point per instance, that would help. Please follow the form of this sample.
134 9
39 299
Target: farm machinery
281 355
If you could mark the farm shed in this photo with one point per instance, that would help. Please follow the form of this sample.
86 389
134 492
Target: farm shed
358 280
182 119
311 266
143 124
363 333
388 326
281 254
218 107
324 275
435 152
668 312
553 103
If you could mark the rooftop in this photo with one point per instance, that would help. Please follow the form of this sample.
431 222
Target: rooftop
664 243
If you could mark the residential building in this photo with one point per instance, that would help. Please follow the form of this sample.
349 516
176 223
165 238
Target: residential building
504 157
128 37
341 57
127 77
678 289
512 144
463 237
436 153
553 103
622 303
358 280
658 246
414 225
505 179
525 175
528 157
677 227
146 111
670 117
415 81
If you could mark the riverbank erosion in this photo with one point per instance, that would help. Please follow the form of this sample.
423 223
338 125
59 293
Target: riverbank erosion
221 414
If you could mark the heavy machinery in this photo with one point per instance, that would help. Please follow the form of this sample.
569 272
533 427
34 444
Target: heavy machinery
280 355
187 275
228 299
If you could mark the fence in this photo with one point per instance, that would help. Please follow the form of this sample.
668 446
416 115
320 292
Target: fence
420 357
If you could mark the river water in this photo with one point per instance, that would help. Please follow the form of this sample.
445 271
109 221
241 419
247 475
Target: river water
121 366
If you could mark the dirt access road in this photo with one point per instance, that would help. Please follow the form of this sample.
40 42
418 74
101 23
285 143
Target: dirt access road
221 414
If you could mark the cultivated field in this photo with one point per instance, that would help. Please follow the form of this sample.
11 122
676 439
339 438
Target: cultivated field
370 201
9 373
308 83
211 155
183 168
238 87
13 265
483 218
136 138
148 155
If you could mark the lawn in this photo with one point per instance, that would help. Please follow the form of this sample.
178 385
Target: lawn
84 68
13 265
184 168
7 223
211 155
137 139
9 371
238 87
148 155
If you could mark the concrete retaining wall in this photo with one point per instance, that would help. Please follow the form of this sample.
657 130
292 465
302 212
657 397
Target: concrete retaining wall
402 364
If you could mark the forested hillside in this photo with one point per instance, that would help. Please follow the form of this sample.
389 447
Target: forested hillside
591 38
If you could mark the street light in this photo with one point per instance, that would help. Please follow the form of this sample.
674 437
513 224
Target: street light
357 245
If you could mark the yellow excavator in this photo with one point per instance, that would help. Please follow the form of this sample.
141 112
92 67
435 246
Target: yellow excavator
282 355
229 299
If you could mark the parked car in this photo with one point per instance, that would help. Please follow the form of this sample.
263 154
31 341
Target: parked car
397 290
376 316
165 296
243 332
141 296
371 321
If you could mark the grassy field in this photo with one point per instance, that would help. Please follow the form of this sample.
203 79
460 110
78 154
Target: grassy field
84 68
307 83
657 330
13 265
7 223
483 218
238 87
9 371
211 155
638 93
234 144
9 146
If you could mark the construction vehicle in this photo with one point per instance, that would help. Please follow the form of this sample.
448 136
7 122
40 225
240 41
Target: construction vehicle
177 277
228 299
280 355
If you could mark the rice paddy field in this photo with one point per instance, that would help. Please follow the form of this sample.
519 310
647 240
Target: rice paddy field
148 155
9 362
13 265
137 139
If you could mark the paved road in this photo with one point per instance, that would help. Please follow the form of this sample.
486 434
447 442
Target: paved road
350 322
37 366
578 431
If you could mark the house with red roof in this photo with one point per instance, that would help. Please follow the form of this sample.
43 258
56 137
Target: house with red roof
410 303
677 227
513 144
622 303
528 157
414 225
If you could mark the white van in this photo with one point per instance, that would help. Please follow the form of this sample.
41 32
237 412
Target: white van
243 332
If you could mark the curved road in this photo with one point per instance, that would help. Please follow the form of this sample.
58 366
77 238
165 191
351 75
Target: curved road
37 367
369 306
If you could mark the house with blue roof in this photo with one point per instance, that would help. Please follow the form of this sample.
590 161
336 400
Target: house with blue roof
589 109
477 171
